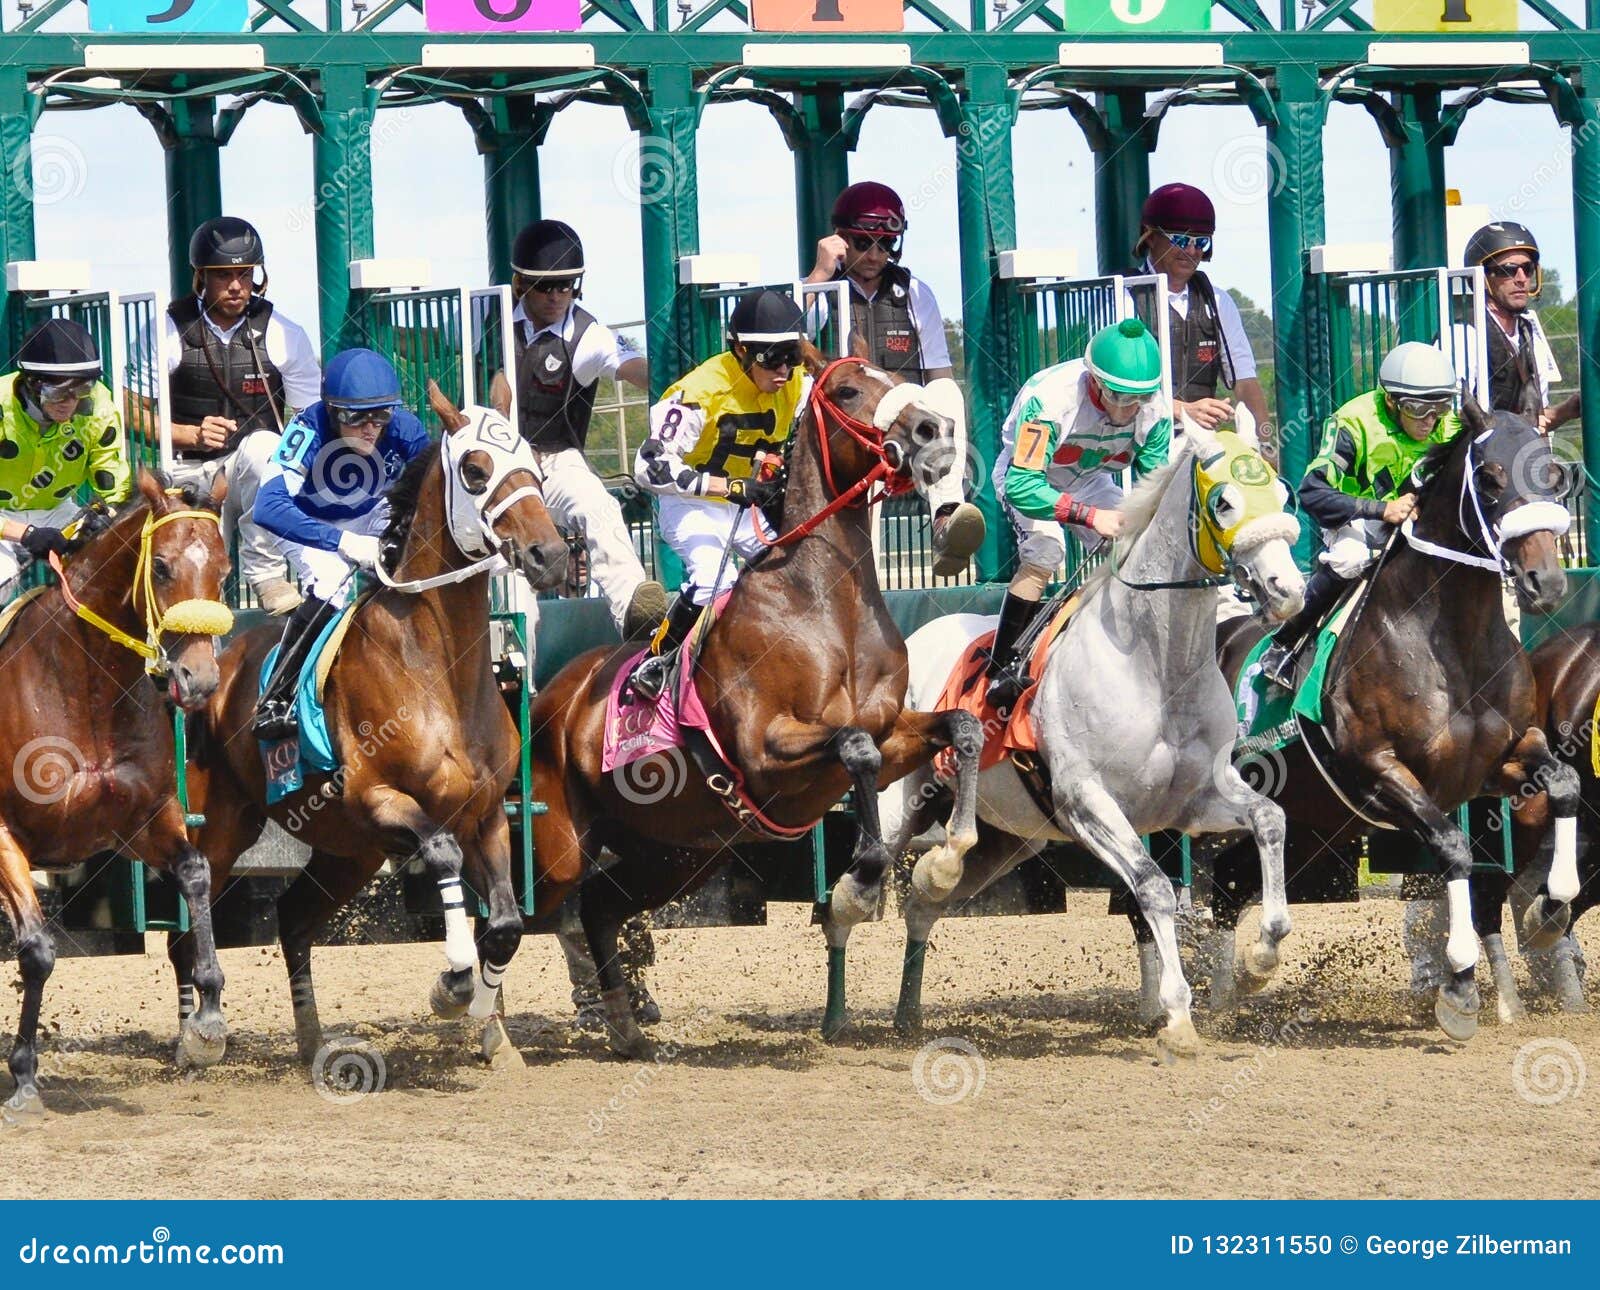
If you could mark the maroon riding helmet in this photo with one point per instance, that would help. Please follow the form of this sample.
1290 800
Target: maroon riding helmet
869 207
1176 208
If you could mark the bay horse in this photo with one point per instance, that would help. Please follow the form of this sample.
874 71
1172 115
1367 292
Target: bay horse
803 678
1133 719
426 745
1566 674
1428 699
89 738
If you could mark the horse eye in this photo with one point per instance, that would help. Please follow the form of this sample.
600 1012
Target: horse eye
473 478
160 569
1489 479
846 394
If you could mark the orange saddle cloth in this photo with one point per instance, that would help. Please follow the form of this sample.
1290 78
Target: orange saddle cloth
967 686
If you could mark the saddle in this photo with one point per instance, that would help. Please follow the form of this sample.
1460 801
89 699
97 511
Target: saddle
288 761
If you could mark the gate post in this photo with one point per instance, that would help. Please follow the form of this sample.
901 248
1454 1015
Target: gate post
193 159
1295 221
510 142
821 169
1585 128
986 213
1416 183
1121 178
669 221
16 192
342 157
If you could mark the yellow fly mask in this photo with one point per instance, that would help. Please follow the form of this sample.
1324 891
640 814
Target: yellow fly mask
1238 501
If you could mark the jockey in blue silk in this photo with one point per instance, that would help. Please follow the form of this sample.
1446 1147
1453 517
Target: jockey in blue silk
322 498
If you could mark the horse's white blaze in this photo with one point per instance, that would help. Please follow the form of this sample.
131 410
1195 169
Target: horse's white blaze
1563 881
1277 578
1462 946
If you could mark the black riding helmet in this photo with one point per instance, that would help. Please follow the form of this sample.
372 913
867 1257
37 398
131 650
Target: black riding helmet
547 251
1496 239
57 355
767 325
225 243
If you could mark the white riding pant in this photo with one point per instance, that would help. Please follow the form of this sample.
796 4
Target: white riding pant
326 574
698 528
259 557
576 498
1039 542
12 557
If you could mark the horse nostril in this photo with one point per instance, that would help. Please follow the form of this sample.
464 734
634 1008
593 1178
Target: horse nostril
926 430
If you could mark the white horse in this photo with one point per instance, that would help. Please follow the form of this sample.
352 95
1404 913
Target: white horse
1135 722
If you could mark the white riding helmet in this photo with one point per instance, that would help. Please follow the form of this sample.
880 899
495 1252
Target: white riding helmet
1418 371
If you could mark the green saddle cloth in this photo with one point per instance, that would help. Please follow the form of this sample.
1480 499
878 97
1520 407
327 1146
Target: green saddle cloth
1267 712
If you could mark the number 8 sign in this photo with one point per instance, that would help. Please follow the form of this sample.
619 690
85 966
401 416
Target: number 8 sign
501 15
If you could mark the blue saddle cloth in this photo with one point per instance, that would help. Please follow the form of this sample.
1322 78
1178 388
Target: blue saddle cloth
288 760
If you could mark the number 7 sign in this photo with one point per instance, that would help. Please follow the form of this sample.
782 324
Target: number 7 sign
501 15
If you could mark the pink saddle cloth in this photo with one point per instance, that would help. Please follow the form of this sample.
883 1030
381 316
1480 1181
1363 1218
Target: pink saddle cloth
638 727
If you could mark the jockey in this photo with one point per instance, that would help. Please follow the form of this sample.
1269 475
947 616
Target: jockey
322 497
562 351
700 458
1071 431
59 430
1360 482
897 317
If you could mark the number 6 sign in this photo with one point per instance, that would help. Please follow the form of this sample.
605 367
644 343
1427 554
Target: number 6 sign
501 15
152 17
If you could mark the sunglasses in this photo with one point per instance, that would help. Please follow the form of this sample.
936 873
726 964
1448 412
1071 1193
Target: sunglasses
1421 408
866 241
564 288
60 391
1201 242
1524 267
777 358
363 416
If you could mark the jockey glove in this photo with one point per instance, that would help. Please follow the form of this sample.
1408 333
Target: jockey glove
754 492
360 548
40 541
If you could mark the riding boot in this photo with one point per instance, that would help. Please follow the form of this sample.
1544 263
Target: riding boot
1007 676
1279 662
275 714
650 677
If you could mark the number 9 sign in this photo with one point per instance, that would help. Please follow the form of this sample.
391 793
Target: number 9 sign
501 15
152 17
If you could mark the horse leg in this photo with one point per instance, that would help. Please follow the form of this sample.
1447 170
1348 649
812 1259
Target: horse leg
915 740
1531 767
1144 938
1218 943
1488 910
203 1035
1092 815
325 884
498 940
36 959
1237 806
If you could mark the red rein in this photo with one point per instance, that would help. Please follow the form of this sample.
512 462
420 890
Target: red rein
864 433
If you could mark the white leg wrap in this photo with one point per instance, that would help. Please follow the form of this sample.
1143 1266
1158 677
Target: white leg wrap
458 945
1462 947
486 992
1563 880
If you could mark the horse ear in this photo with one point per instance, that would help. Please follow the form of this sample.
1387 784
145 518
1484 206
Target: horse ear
219 490
1473 417
1194 432
151 490
450 416
1530 409
858 346
500 395
1244 422
812 357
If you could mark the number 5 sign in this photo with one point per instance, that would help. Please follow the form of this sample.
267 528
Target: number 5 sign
152 17
501 15
1129 17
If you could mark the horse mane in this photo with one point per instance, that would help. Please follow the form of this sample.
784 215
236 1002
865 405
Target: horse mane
403 496
1139 509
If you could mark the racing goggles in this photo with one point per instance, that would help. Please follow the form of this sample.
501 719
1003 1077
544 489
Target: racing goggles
1201 242
60 391
889 242
1423 409
776 357
1119 399
362 416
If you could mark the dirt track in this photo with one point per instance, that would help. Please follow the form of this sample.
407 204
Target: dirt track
1319 1087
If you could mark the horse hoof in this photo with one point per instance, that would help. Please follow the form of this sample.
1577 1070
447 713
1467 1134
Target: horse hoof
1457 1017
451 995
202 1043
1255 967
1177 1042
834 1025
497 1048
1544 923
1509 1011
850 903
937 875
908 1025
636 1047
307 1042
24 1109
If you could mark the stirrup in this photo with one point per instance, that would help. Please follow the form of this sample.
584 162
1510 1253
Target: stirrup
1278 665
275 719
1006 685
649 678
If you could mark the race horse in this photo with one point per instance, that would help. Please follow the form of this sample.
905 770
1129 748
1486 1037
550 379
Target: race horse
89 739
802 675
1133 719
1566 674
426 745
1428 698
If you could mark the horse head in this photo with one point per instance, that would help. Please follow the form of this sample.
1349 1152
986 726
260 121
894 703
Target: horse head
1240 527
1501 488
866 418
494 499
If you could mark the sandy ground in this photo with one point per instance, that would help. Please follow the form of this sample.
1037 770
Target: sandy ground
1046 1086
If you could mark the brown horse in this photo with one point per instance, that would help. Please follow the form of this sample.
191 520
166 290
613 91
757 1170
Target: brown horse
428 750
1429 700
803 676
89 738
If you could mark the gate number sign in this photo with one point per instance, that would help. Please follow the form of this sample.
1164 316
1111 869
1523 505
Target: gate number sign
501 15
152 17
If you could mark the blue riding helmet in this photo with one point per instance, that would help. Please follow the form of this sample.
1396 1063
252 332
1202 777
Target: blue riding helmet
360 378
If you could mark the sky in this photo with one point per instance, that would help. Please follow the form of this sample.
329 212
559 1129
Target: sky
99 192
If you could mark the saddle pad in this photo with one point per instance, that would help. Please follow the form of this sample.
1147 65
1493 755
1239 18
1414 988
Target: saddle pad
315 751
637 727
8 615
1267 712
